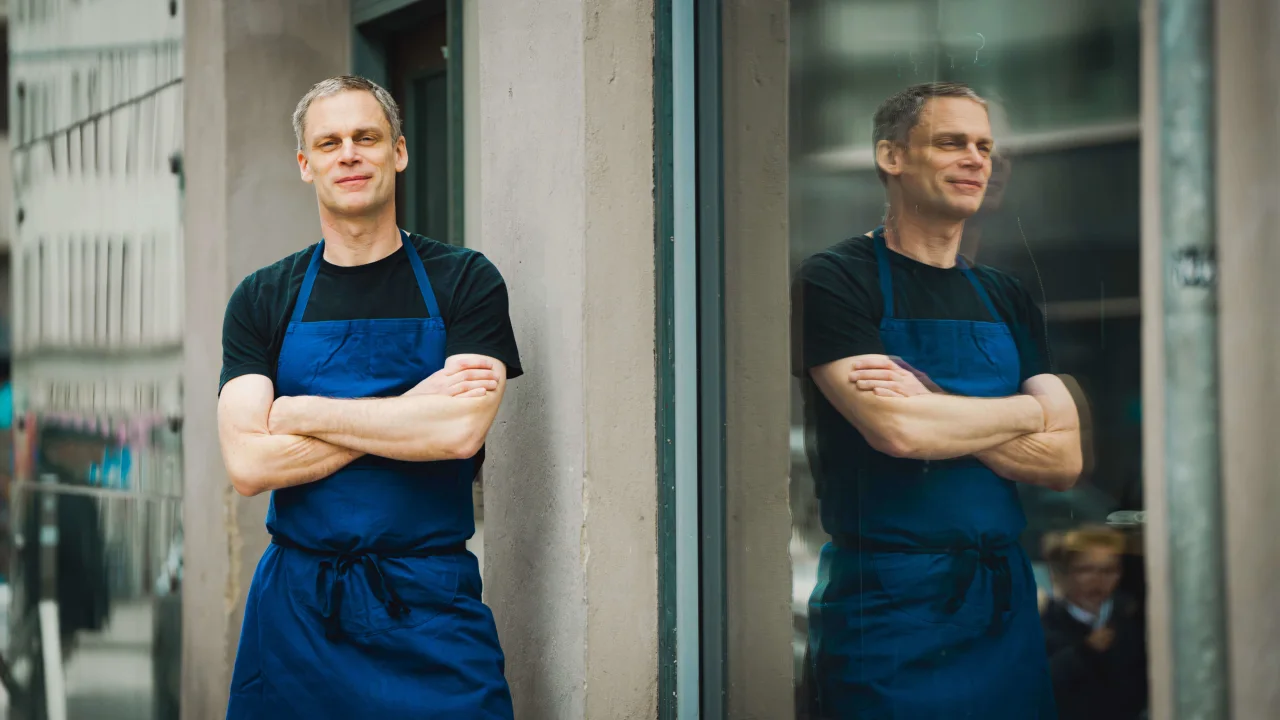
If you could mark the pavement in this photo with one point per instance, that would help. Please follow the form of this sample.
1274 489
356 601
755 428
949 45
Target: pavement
109 674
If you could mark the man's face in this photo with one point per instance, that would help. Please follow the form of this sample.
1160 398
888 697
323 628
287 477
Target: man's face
348 154
1092 578
944 168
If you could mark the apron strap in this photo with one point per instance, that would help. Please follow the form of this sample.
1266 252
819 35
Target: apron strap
886 278
419 272
424 285
977 285
308 280
882 265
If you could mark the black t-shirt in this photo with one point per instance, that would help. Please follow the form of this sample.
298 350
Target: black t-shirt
836 311
469 290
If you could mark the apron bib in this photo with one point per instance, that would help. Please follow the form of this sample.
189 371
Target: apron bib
926 608
367 603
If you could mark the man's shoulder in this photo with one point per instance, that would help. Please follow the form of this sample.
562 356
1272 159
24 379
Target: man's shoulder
855 255
1004 283
455 260
280 271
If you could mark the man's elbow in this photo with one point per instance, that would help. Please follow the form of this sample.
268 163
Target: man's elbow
1067 478
893 437
245 479
466 439
246 484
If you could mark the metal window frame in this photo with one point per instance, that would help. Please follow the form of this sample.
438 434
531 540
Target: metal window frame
690 373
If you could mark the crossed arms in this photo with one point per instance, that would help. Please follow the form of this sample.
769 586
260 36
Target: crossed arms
1033 437
270 443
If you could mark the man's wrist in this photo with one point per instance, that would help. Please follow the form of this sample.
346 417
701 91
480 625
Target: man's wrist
289 415
1031 414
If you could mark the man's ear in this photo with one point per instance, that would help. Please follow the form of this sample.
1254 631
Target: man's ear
889 157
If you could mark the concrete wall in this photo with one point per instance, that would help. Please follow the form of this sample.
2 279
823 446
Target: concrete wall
566 200
245 207
1248 79
757 380
1248 176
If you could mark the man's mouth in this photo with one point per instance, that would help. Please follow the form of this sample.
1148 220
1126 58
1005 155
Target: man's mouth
352 179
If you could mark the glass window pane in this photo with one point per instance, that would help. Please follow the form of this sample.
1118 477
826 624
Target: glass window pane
964 192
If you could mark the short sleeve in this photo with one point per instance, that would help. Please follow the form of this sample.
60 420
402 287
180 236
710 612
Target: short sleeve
1031 335
246 341
834 315
479 319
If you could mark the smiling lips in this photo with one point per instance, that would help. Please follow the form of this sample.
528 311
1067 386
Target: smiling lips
353 179
974 184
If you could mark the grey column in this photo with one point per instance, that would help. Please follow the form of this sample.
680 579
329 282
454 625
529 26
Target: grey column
566 213
1248 197
247 63
757 370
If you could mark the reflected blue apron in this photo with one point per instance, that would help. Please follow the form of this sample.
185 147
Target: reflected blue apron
925 606
367 603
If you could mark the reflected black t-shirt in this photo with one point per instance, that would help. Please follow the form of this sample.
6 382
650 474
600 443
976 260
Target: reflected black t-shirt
469 290
836 311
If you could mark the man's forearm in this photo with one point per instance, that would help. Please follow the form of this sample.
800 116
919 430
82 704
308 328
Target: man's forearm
259 462
409 427
1049 459
940 427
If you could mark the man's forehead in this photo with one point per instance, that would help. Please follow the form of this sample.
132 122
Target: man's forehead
346 111
958 115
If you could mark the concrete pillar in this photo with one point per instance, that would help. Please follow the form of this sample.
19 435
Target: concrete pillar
1156 547
757 379
247 63
1248 177
567 215
1248 86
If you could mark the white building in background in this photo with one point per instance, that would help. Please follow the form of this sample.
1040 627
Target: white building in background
93 212
96 131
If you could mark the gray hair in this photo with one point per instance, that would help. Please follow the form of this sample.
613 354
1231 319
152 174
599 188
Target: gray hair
343 83
900 113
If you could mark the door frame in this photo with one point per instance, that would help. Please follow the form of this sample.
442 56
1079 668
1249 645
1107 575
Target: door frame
372 24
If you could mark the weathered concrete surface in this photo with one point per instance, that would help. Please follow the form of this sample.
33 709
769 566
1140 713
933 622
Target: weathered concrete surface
567 215
757 379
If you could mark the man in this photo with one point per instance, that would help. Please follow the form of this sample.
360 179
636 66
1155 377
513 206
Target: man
360 377
927 396
1095 633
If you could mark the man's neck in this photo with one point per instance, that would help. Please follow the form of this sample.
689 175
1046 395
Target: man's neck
359 241
931 241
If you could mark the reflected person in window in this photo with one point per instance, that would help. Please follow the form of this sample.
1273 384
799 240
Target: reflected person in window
927 395
1095 633
360 378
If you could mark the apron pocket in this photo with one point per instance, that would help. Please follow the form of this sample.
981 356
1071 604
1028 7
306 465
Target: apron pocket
426 588
919 586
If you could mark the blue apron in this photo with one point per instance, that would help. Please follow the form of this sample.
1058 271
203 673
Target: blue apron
367 603
925 605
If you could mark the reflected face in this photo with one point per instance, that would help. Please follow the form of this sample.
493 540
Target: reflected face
349 156
1092 578
946 165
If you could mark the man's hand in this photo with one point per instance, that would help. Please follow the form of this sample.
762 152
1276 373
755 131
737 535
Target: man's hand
1100 640
890 377
462 376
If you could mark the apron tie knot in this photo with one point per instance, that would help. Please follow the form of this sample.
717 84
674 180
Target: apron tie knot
989 554
331 579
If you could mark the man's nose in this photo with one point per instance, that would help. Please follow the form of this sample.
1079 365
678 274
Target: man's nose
348 152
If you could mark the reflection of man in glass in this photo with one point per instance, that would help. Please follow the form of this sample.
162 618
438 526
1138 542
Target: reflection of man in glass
928 394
